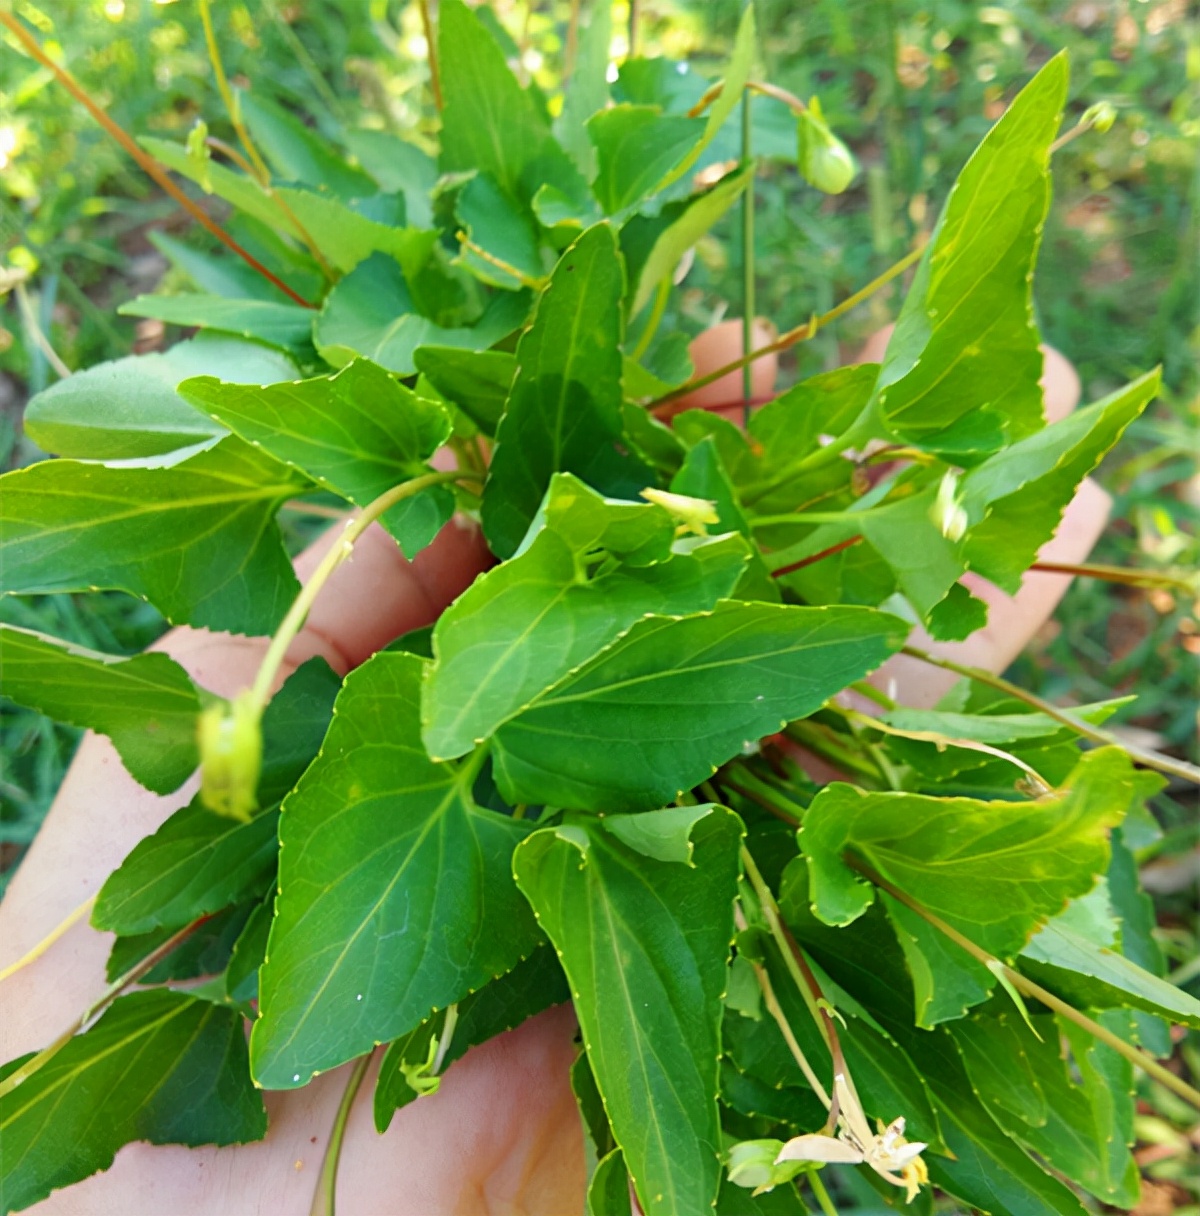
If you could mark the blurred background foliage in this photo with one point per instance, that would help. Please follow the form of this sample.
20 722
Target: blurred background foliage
911 84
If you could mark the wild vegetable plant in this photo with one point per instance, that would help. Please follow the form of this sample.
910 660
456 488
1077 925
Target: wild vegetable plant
579 784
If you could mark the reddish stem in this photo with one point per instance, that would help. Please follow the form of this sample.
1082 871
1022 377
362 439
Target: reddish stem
816 557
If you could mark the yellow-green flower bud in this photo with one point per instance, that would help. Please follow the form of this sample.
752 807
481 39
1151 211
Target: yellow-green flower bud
692 514
1099 117
230 739
824 160
753 1164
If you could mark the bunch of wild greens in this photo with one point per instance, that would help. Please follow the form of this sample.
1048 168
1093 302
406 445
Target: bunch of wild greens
940 970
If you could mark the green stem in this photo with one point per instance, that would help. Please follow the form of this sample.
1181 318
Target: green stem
661 296
776 1011
822 1195
748 259
823 742
260 690
1151 759
435 77
800 334
1135 1055
261 172
634 23
106 998
325 1193
794 961
445 1039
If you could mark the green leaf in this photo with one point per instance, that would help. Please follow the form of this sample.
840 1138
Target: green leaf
371 313
1082 1129
128 409
359 433
1016 499
146 704
673 698
476 381
637 148
988 1170
500 227
531 986
1084 973
645 944
158 1066
489 123
526 624
675 237
400 167
241 975
969 862
287 326
564 410
608 1191
947 981
197 863
345 237
664 835
298 153
586 90
1138 920
395 889
961 371
196 540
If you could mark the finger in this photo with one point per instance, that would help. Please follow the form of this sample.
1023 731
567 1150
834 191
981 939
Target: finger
715 348
501 1135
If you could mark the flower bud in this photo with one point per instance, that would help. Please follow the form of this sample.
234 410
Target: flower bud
230 740
824 160
754 1165
1099 117
693 514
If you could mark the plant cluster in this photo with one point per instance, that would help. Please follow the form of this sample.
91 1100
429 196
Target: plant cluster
577 783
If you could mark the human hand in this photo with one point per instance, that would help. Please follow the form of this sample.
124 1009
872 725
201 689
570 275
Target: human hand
501 1135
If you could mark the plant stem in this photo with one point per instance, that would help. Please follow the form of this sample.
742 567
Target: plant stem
571 48
36 952
260 691
435 76
445 1039
325 1193
146 162
776 1011
748 258
634 22
1151 759
715 90
816 557
1135 1055
261 172
300 507
492 260
106 998
1120 574
661 295
257 168
793 959
659 406
40 339
821 1194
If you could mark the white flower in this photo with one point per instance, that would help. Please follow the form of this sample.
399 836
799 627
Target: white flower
888 1153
